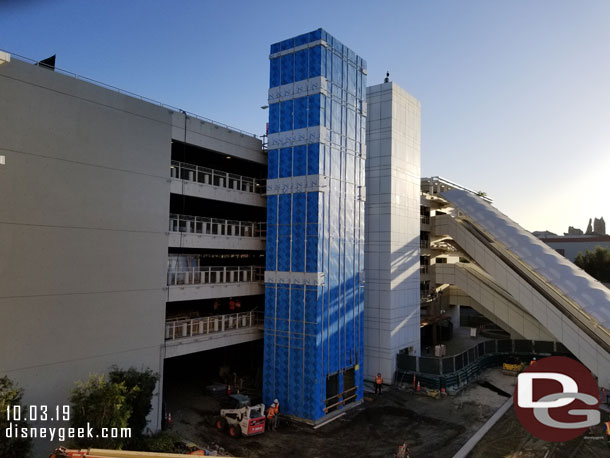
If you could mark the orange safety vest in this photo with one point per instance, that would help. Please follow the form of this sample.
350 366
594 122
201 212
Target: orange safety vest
607 428
378 379
271 412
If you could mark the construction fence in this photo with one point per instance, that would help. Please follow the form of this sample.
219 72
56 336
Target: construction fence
456 371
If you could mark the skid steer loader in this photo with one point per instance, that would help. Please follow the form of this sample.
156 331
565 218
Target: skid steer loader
245 421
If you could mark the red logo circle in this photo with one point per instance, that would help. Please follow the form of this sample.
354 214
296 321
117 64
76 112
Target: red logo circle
552 376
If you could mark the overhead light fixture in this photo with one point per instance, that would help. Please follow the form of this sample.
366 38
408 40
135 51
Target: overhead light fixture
228 157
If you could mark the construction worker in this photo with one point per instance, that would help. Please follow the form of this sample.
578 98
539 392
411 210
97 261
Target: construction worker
237 305
607 425
378 383
533 361
276 418
272 413
231 305
270 416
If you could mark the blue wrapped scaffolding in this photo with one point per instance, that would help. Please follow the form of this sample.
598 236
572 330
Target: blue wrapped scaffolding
314 328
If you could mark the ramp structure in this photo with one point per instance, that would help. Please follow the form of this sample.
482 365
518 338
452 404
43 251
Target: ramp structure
542 291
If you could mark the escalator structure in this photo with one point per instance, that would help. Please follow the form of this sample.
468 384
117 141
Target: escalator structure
544 293
473 287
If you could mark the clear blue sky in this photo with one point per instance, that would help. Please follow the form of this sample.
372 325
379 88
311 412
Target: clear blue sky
515 94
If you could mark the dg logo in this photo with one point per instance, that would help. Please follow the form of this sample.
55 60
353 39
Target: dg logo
556 399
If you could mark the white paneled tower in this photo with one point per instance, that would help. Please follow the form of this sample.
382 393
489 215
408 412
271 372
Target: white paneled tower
392 223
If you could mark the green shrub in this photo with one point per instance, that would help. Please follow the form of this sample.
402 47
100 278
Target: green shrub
101 404
140 387
11 395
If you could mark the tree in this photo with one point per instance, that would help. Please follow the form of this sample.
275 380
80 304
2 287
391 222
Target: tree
140 386
11 447
596 263
99 403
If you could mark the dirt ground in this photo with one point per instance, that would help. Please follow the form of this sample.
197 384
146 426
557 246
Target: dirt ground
433 428
507 439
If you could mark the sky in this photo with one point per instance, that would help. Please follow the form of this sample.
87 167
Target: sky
515 94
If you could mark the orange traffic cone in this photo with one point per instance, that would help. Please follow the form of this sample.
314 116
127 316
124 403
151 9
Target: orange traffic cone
418 387
169 418
228 389
413 380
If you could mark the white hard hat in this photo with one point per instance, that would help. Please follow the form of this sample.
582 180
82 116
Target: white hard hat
275 401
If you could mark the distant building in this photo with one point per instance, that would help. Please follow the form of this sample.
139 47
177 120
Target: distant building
571 245
599 226
544 234
575 241
571 231
595 227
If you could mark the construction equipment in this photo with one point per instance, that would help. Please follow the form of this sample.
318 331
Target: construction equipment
512 366
62 452
235 401
246 421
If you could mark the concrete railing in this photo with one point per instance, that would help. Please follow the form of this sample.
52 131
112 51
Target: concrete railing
212 177
216 275
178 329
215 226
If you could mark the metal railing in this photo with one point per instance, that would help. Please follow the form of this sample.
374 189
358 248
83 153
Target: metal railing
215 226
216 275
340 399
424 219
213 177
435 185
177 329
455 371
137 96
